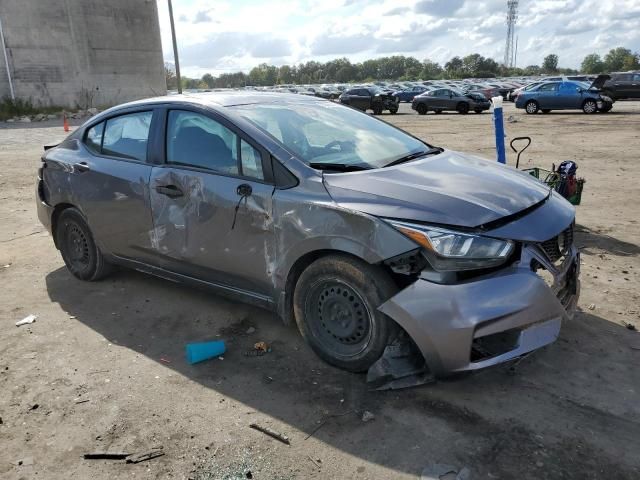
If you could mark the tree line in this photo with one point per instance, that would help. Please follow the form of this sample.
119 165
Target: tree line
398 67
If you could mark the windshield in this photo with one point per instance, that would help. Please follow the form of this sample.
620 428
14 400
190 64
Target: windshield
324 132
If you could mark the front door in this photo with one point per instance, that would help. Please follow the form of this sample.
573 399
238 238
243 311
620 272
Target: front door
211 205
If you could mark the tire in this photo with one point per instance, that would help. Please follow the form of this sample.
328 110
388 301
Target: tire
546 110
589 106
336 302
79 251
421 109
531 107
393 110
606 109
437 112
377 110
477 110
463 108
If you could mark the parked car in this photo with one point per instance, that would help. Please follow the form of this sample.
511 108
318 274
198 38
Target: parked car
358 232
623 85
567 95
449 99
370 98
407 94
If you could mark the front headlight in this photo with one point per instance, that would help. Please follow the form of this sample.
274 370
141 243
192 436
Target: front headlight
448 250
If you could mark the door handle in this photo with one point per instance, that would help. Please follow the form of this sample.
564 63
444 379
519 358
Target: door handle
170 191
81 167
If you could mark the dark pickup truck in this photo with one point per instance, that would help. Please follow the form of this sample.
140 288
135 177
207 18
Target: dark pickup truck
370 98
623 85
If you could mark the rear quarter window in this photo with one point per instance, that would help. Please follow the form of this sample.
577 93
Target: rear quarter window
93 138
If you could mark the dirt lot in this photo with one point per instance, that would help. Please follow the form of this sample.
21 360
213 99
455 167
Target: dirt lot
570 411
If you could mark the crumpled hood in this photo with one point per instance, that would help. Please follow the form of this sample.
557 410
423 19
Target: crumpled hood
449 188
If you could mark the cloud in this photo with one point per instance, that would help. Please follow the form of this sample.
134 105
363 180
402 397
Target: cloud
271 48
202 17
341 44
438 8
397 11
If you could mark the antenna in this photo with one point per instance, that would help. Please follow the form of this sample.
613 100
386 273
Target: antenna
512 17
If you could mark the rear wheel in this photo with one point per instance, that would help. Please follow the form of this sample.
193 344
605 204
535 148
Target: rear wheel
437 112
377 110
421 109
336 304
589 106
546 110
606 108
463 108
531 106
79 251
477 110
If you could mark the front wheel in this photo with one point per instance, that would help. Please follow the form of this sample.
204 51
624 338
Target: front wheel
478 110
377 110
606 108
79 251
336 304
589 106
393 110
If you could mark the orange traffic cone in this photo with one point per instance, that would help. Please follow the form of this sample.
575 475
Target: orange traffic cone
65 122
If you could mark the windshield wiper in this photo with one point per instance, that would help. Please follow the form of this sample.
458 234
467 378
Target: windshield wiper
340 167
413 156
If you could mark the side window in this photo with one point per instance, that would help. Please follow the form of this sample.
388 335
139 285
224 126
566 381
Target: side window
126 136
199 141
251 161
547 87
93 140
568 87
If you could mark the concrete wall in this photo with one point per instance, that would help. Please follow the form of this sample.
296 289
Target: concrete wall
82 53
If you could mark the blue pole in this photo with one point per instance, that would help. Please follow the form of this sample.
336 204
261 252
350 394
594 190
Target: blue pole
498 121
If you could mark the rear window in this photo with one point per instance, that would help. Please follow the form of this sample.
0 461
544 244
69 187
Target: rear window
126 136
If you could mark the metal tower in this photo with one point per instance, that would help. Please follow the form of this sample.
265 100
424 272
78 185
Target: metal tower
512 17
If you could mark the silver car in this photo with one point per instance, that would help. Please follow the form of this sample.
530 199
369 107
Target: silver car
363 235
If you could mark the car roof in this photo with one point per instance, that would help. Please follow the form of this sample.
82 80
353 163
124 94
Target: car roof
225 99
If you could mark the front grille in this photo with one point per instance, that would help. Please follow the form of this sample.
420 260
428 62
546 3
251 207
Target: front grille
558 247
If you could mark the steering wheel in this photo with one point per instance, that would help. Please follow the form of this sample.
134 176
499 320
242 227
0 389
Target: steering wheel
335 143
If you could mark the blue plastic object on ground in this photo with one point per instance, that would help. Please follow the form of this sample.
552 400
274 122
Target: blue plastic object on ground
198 352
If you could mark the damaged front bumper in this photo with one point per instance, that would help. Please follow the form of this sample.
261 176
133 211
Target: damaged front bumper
490 319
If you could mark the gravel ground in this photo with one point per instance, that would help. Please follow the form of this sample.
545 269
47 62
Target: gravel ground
103 368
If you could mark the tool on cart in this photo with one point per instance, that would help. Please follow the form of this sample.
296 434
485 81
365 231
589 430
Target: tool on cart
562 179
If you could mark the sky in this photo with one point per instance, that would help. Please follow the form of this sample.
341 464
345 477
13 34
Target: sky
236 35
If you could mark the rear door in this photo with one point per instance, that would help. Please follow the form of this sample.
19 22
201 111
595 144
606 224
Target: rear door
623 83
109 181
211 202
546 95
439 98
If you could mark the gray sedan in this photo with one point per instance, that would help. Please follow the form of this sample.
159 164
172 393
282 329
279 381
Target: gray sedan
449 99
361 234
